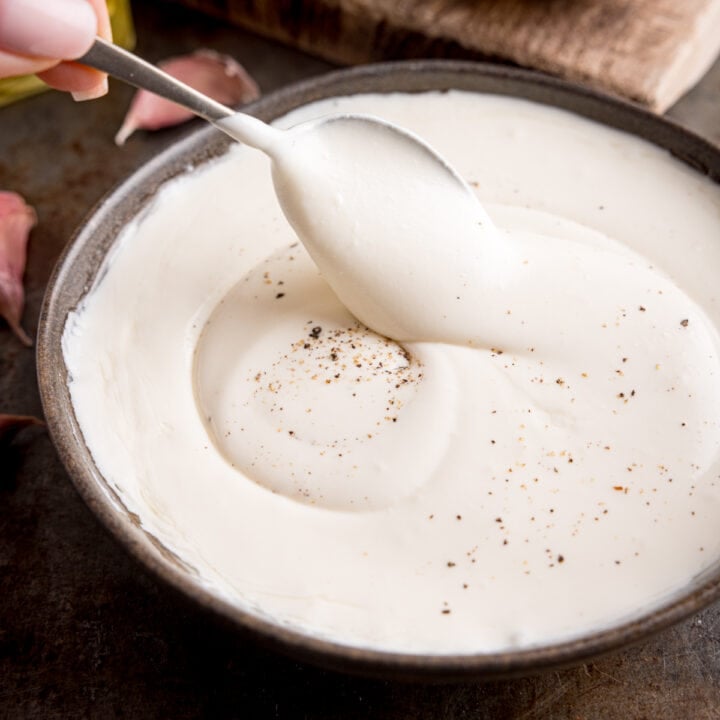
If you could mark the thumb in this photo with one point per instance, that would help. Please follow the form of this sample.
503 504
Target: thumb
60 29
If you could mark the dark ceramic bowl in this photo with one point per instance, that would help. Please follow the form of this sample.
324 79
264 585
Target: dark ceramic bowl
80 263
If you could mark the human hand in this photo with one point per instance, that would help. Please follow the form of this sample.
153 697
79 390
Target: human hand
43 36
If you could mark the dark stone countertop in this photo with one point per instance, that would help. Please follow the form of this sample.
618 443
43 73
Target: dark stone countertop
86 632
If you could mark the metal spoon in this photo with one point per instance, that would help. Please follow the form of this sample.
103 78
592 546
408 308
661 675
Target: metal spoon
135 71
360 192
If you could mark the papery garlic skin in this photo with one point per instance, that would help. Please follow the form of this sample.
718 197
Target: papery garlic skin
563 473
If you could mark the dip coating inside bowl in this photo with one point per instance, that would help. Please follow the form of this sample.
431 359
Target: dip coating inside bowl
197 289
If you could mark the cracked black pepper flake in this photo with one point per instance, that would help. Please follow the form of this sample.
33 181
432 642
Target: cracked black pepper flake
279 295
685 322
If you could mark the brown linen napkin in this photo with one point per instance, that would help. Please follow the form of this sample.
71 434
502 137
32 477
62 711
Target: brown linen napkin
650 51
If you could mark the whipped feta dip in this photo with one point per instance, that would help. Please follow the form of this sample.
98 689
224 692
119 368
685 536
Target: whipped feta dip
523 449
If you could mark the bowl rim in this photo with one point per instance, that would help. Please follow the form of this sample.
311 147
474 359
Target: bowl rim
81 261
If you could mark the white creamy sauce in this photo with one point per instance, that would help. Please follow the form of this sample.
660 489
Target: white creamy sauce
537 458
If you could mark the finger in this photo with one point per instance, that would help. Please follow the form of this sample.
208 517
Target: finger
12 65
51 29
103 18
83 82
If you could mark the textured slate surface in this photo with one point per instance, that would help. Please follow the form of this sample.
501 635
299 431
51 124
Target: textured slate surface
85 632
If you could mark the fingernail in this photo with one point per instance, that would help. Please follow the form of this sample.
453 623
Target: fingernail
62 29
95 92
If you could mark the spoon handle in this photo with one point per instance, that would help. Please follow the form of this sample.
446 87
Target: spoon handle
125 66
135 71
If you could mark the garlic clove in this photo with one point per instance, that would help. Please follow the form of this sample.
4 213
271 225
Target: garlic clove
218 76
16 220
